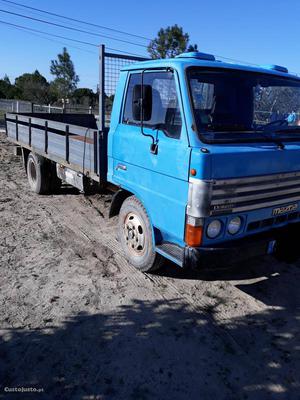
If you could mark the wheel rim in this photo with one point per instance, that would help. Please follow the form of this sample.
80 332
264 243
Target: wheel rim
32 171
134 234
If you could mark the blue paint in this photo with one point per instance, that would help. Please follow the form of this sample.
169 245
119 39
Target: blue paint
271 246
161 181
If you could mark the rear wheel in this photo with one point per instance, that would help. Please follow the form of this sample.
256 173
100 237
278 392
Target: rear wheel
41 174
135 234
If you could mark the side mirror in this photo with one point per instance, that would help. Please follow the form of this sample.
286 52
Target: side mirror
140 100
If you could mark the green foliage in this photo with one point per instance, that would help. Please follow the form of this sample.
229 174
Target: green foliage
33 87
85 97
5 87
109 103
7 90
66 78
170 42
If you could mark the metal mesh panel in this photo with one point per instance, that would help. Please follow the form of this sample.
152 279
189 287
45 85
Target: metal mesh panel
113 63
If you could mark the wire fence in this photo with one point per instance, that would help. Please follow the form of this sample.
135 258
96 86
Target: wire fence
20 106
15 106
68 109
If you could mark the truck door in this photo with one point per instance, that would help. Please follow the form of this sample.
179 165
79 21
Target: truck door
159 180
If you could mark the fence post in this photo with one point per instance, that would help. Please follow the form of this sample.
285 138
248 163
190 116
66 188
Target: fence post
101 87
18 106
49 109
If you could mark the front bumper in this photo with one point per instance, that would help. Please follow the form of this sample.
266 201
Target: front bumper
282 242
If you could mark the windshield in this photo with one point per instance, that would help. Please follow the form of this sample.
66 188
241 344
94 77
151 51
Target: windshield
231 104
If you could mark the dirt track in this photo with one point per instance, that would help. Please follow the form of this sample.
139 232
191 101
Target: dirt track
80 323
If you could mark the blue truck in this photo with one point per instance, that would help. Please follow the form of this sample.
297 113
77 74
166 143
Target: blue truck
203 158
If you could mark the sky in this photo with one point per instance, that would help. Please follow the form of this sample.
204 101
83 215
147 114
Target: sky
256 31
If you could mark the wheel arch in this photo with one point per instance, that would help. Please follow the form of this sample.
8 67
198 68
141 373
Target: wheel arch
118 199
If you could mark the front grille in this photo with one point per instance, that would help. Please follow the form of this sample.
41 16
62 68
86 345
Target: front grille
268 222
246 194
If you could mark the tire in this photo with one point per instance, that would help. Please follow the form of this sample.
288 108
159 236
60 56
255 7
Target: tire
135 234
38 174
287 248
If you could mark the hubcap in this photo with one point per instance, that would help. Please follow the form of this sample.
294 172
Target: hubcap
134 234
32 171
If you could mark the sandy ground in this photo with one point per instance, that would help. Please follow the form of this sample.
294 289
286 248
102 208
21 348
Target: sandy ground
78 322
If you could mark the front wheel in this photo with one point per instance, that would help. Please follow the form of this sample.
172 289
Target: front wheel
135 234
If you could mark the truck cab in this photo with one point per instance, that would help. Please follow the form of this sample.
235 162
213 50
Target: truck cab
206 156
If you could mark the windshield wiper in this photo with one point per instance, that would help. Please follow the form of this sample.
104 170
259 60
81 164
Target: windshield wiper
279 122
225 127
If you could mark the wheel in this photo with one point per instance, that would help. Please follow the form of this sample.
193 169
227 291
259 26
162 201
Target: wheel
135 234
287 248
38 173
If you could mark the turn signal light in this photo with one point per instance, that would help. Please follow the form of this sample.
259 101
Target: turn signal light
193 231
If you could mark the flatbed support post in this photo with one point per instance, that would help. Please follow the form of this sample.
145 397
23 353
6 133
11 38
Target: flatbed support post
95 152
101 87
29 132
46 137
17 129
67 142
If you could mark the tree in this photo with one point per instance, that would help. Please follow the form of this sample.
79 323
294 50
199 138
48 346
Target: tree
5 87
170 42
85 97
33 87
66 78
7 90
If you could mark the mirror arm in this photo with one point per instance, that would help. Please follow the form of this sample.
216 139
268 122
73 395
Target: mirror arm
154 144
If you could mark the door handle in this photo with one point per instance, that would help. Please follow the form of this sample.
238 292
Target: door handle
122 167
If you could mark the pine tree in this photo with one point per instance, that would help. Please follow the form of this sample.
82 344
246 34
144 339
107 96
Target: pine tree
66 78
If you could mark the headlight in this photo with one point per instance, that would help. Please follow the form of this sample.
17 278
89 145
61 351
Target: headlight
234 225
214 229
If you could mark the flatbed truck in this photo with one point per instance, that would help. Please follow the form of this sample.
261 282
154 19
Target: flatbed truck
203 156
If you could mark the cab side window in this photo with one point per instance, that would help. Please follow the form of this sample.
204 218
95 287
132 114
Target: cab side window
165 114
